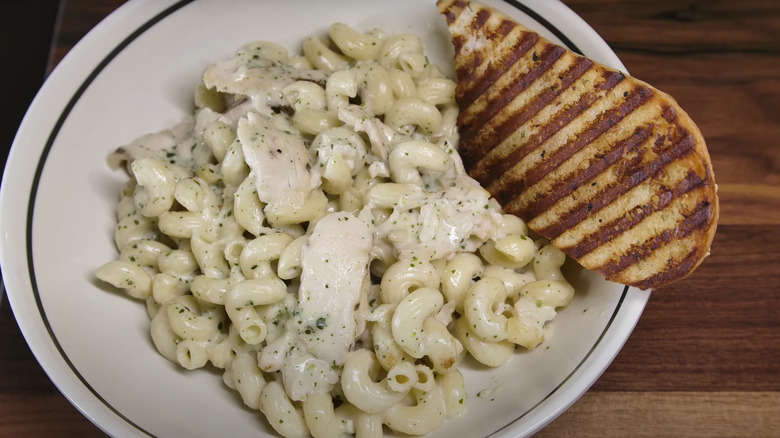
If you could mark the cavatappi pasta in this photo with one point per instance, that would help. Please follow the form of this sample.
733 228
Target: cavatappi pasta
311 231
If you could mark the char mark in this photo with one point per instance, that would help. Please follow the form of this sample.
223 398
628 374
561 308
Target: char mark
613 229
471 86
604 122
596 166
693 222
505 126
614 191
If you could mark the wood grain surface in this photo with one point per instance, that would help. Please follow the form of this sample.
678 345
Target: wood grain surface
704 360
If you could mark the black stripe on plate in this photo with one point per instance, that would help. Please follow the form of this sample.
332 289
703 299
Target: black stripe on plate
36 181
549 26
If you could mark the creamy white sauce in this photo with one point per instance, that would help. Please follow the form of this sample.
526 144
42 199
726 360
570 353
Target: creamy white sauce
171 144
261 80
379 134
435 225
340 142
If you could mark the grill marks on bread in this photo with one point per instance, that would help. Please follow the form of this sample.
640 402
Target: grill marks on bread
607 167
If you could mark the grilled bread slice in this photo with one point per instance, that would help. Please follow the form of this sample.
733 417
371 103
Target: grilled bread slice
607 167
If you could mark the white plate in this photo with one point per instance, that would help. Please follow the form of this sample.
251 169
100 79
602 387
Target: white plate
134 74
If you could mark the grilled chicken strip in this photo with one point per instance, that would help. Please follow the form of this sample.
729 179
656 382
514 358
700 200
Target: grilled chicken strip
607 167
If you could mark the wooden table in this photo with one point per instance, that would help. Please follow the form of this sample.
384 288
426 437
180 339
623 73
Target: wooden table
704 359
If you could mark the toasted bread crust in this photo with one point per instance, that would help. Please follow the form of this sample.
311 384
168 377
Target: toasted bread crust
607 167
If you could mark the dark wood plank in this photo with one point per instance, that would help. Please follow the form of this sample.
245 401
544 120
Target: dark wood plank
712 331
43 415
664 414
681 27
26 29
76 19
30 404
16 359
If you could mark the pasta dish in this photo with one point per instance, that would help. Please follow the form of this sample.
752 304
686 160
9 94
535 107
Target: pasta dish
311 232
